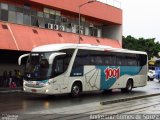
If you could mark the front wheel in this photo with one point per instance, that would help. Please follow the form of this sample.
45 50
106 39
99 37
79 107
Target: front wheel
76 89
151 79
129 86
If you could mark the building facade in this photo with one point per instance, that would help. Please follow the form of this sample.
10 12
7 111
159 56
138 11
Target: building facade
25 24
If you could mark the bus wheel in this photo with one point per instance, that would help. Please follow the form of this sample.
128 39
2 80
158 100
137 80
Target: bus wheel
129 86
76 89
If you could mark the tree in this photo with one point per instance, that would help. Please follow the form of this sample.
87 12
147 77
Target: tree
148 45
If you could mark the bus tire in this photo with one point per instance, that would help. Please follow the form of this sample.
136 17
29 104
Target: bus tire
151 79
128 87
76 89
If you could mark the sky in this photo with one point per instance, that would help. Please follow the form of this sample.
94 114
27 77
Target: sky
141 18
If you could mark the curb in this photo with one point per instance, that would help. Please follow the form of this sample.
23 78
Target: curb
5 90
128 99
11 91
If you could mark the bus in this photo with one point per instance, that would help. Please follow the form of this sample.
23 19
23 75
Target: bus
76 68
157 69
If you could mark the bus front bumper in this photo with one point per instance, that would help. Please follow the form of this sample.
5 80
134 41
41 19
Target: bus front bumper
43 90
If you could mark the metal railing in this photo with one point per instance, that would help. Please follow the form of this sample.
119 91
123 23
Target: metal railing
114 3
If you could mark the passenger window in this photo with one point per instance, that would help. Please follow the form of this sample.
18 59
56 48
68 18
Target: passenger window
98 60
119 61
58 66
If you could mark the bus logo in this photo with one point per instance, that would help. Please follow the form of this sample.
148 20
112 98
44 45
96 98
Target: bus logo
112 73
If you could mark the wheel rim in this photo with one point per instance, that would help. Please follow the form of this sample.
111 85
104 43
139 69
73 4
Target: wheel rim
129 86
75 90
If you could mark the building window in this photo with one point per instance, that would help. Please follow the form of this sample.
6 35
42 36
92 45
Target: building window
34 21
46 10
27 16
52 22
4 6
40 14
52 16
49 18
12 16
19 18
46 15
93 31
27 19
12 8
27 6
4 15
33 13
46 21
41 22
19 9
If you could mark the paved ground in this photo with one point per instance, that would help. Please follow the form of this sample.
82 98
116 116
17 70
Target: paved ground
139 109
63 107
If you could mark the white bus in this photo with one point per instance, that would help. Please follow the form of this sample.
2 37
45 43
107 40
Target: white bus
75 68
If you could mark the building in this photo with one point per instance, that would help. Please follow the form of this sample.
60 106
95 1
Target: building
25 24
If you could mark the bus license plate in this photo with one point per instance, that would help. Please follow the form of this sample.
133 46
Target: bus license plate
34 90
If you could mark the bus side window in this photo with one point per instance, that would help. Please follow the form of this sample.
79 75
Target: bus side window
92 60
119 60
80 61
67 59
98 60
143 59
106 60
58 66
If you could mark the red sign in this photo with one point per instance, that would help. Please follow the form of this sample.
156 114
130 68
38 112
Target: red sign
34 90
112 73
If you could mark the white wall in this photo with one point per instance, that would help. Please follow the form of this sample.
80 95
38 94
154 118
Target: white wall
113 32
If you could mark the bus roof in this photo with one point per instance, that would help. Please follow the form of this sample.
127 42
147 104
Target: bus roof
57 47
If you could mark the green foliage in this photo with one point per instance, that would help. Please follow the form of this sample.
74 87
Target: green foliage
141 44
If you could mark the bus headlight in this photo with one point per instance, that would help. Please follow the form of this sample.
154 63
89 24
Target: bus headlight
24 89
47 90
46 84
24 82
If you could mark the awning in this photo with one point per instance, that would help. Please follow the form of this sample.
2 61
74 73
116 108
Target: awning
24 38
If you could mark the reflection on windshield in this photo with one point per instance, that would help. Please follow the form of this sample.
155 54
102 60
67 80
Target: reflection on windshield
38 66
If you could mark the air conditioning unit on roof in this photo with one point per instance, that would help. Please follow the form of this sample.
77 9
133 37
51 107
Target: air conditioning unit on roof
81 31
56 27
62 28
50 26
91 25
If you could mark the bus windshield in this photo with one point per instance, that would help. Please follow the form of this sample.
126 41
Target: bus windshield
38 67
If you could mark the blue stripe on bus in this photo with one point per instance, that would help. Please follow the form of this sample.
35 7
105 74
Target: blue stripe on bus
108 79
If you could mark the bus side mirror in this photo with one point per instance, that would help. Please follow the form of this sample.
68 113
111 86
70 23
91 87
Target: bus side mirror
53 55
20 58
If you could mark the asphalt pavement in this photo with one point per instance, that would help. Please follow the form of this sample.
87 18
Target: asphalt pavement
33 106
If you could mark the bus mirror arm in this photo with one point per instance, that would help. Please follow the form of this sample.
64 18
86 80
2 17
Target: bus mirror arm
53 55
20 58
